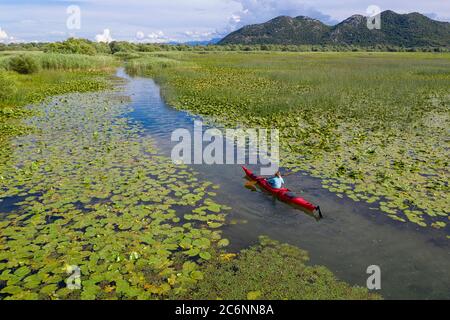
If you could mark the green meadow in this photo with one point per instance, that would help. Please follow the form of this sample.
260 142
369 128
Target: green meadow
372 126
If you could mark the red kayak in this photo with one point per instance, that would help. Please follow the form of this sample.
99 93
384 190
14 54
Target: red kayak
283 194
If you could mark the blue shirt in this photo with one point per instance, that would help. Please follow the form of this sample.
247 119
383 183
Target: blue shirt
276 182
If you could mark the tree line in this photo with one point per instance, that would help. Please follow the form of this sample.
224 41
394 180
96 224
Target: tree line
84 46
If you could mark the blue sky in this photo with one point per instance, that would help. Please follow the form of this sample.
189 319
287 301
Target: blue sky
177 20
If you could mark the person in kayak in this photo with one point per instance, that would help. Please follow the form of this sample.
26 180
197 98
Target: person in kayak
277 181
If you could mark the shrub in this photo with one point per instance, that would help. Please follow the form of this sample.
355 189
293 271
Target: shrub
122 46
24 64
77 46
8 86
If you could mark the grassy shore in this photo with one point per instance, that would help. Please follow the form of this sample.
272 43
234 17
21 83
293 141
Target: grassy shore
373 126
54 74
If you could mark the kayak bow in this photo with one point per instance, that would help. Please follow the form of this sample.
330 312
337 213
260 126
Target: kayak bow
283 194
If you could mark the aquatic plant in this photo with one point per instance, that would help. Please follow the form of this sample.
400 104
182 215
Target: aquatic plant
21 89
373 126
272 271
88 190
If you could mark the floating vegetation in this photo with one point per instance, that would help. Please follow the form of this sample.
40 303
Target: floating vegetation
373 127
273 271
81 74
89 190
90 210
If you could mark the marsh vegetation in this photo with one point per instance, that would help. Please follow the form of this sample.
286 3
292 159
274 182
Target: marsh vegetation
30 77
372 126
81 185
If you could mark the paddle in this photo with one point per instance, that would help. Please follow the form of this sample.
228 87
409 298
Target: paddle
251 185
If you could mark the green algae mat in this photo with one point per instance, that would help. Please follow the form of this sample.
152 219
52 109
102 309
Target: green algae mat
271 270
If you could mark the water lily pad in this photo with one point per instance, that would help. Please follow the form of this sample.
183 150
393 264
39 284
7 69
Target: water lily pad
197 275
205 255
95 196
223 243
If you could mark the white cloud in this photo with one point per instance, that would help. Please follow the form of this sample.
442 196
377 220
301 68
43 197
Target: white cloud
3 35
31 20
437 17
258 11
157 37
140 35
152 37
235 19
198 35
105 37
4 38
57 33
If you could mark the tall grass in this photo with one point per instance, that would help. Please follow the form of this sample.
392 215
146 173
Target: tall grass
3 62
389 88
151 64
55 61
76 67
65 62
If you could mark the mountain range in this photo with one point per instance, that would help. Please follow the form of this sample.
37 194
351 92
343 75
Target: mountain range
406 30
